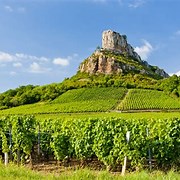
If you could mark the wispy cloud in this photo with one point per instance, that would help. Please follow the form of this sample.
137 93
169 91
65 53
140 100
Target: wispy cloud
13 73
6 57
136 3
177 73
21 9
61 61
33 64
125 3
14 9
177 33
18 64
8 8
37 68
145 50
21 56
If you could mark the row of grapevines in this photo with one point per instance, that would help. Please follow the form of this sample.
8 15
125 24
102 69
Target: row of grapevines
17 135
91 94
77 100
140 99
104 138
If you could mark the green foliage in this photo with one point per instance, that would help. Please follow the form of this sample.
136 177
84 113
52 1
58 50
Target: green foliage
77 100
60 143
22 133
31 94
82 138
104 138
139 99
101 100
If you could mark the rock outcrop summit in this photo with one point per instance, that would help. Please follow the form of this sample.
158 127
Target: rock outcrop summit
117 43
117 56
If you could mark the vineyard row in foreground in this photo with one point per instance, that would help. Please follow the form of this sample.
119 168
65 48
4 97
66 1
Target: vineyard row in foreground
103 138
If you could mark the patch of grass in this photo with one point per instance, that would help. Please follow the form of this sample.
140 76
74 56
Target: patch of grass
12 172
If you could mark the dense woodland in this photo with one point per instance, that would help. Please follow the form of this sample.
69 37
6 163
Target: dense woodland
31 94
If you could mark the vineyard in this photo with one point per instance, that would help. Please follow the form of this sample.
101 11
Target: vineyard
140 99
73 101
86 100
135 115
24 138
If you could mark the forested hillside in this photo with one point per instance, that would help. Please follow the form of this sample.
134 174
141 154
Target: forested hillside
31 94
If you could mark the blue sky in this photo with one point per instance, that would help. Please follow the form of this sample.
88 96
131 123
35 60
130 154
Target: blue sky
44 41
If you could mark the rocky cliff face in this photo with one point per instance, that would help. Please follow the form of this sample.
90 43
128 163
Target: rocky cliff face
104 62
115 42
100 63
117 56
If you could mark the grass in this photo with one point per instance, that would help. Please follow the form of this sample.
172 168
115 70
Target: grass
13 172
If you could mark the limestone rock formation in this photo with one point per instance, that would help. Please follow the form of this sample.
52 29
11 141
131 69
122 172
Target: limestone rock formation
113 41
116 57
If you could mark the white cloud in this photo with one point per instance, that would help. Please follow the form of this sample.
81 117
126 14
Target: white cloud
18 64
30 57
12 73
36 68
21 9
177 33
32 64
178 73
8 8
5 57
61 61
15 9
136 3
145 50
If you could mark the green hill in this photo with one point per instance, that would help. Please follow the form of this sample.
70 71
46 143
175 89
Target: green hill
141 99
101 100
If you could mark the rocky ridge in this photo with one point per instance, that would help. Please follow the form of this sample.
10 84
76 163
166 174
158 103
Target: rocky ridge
116 57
